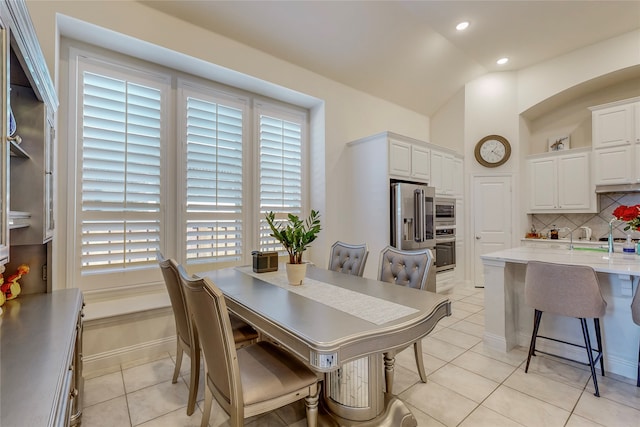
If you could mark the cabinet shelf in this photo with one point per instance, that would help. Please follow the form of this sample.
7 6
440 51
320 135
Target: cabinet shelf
15 149
18 219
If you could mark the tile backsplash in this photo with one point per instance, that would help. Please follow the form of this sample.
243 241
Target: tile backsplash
599 223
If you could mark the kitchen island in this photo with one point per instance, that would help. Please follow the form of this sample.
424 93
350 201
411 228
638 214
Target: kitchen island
509 322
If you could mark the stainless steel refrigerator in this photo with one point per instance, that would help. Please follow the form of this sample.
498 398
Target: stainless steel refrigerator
412 220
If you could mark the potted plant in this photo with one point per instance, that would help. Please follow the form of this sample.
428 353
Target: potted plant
295 235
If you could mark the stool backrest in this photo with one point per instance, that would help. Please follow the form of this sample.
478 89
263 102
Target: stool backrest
635 307
568 290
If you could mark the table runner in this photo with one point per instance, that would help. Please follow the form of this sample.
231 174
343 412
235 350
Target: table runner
372 309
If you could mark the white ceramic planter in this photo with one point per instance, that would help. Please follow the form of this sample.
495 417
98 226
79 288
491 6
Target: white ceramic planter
296 273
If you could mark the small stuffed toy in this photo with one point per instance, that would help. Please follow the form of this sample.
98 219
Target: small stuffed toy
3 298
11 288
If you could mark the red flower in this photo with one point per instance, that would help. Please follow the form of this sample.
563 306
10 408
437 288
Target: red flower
628 214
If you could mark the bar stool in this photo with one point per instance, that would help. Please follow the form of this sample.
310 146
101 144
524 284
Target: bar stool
566 290
635 314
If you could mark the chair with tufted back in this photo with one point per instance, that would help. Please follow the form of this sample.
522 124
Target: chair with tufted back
410 269
566 290
635 314
348 258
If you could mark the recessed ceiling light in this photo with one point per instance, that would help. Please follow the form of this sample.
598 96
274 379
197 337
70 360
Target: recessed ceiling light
462 26
502 61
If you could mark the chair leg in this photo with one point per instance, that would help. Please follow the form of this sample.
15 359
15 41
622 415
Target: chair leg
389 362
194 379
311 405
179 352
417 349
537 316
596 324
208 400
587 344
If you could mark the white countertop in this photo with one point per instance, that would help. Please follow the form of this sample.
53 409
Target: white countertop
616 263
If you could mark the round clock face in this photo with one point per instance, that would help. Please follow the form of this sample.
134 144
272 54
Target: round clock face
492 151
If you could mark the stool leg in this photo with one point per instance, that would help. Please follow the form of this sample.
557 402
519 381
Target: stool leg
638 380
537 316
587 344
596 323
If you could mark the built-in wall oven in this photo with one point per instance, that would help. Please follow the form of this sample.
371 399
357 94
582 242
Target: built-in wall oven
445 211
445 248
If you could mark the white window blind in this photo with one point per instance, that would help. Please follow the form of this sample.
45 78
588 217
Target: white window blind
214 176
120 220
281 166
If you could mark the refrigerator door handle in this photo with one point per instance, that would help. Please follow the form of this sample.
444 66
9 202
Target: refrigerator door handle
418 211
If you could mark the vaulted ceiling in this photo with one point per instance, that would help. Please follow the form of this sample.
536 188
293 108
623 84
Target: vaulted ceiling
409 52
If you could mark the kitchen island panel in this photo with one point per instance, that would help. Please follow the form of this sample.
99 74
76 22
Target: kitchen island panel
509 321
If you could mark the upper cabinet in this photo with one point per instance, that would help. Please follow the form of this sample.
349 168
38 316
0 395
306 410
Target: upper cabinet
616 142
409 160
28 108
561 182
446 174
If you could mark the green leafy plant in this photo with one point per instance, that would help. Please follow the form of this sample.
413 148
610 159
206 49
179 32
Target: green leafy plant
295 234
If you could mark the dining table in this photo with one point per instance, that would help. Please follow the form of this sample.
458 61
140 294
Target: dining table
341 326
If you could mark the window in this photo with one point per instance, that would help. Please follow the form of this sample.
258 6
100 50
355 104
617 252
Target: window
280 166
214 138
119 214
200 196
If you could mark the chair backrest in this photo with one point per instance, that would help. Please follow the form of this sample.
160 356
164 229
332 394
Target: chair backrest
406 268
209 313
180 310
568 290
348 258
635 307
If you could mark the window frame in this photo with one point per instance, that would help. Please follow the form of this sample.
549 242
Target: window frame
173 152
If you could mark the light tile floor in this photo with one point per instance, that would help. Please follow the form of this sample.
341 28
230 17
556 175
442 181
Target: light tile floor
468 385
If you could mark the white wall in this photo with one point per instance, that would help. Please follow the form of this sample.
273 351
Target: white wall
447 125
348 114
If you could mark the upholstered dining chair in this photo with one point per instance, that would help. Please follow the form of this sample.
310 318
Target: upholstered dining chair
410 269
248 381
348 258
186 335
566 290
635 315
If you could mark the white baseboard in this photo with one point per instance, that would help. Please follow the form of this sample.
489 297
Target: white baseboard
110 361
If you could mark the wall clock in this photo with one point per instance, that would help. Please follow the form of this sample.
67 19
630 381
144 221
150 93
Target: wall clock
492 151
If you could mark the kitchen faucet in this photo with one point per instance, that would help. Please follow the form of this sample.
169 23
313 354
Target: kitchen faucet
570 236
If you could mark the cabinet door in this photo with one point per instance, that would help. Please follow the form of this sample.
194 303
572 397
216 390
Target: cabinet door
458 178
543 184
574 182
614 165
613 126
48 178
420 163
399 158
437 165
442 173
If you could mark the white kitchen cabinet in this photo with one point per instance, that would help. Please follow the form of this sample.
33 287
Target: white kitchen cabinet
614 165
561 182
409 160
613 125
616 142
446 174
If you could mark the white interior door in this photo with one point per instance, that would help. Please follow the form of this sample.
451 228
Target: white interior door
492 219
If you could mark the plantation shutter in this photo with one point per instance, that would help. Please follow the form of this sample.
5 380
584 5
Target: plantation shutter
214 177
120 155
281 171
